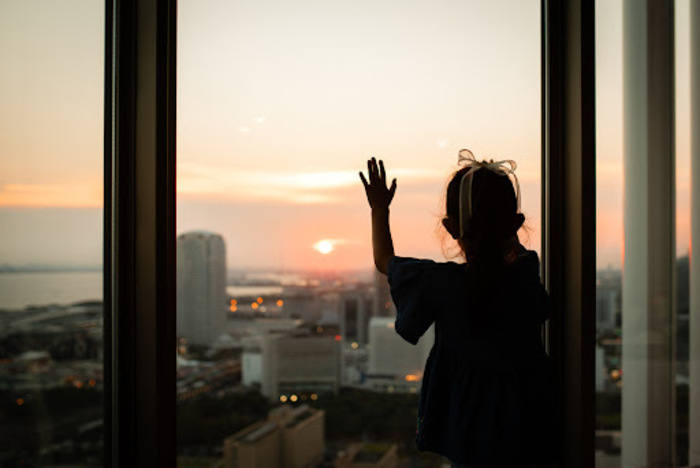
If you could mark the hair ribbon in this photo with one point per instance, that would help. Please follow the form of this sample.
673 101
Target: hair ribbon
466 159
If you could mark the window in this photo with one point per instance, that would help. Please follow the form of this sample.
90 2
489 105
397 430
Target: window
643 183
51 307
279 106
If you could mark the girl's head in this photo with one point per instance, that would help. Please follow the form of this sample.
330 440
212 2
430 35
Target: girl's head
482 211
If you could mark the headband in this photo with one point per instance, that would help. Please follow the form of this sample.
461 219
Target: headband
466 159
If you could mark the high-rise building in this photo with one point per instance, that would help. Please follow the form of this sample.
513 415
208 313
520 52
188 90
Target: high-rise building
201 287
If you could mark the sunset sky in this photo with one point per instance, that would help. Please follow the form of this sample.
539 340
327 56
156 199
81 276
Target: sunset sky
280 104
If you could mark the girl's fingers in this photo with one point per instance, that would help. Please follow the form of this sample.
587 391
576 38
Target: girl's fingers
364 181
392 189
382 172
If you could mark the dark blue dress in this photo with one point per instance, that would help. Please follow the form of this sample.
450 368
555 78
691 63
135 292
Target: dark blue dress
487 393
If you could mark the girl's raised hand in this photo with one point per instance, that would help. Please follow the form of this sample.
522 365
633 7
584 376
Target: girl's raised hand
378 195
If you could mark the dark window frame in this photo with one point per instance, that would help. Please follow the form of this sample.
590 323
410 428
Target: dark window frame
139 245
139 229
569 214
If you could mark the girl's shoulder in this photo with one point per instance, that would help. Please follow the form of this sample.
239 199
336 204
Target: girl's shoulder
412 262
409 267
526 260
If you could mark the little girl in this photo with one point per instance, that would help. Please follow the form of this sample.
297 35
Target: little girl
487 396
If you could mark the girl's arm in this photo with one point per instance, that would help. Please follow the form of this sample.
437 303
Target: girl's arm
379 198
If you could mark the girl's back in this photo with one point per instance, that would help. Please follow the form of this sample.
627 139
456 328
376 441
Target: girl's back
486 393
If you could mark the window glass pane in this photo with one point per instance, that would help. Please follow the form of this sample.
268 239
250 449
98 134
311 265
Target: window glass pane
279 106
51 133
643 238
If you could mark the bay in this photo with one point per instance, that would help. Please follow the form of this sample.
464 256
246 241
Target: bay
20 290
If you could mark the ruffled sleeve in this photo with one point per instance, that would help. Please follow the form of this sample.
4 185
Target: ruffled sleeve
409 282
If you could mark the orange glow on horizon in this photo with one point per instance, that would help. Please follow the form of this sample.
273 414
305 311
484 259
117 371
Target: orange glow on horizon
77 195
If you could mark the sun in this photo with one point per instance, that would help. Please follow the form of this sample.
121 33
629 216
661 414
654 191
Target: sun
324 246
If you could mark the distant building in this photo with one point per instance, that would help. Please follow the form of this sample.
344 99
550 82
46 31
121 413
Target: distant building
369 456
395 364
354 365
288 438
383 305
354 312
606 308
296 365
201 287
600 369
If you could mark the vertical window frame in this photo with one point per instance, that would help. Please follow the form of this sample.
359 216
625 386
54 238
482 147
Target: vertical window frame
569 216
139 255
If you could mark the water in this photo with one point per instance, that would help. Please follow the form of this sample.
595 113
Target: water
252 291
19 290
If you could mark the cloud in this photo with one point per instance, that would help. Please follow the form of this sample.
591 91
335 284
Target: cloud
68 195
206 182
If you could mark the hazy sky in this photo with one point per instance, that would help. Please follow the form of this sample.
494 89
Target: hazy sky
279 105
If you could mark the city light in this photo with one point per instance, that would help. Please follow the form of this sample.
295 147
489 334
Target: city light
293 398
354 345
280 303
412 377
338 337
254 305
283 398
314 397
20 401
260 300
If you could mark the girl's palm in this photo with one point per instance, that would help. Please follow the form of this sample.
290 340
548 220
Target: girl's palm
378 195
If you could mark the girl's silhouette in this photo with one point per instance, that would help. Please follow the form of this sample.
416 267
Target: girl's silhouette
486 397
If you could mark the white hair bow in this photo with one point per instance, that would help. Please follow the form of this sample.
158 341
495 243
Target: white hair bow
466 159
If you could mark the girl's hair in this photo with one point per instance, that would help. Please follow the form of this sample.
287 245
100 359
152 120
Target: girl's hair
489 241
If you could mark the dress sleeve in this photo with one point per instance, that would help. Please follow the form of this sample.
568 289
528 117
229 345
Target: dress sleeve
409 282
